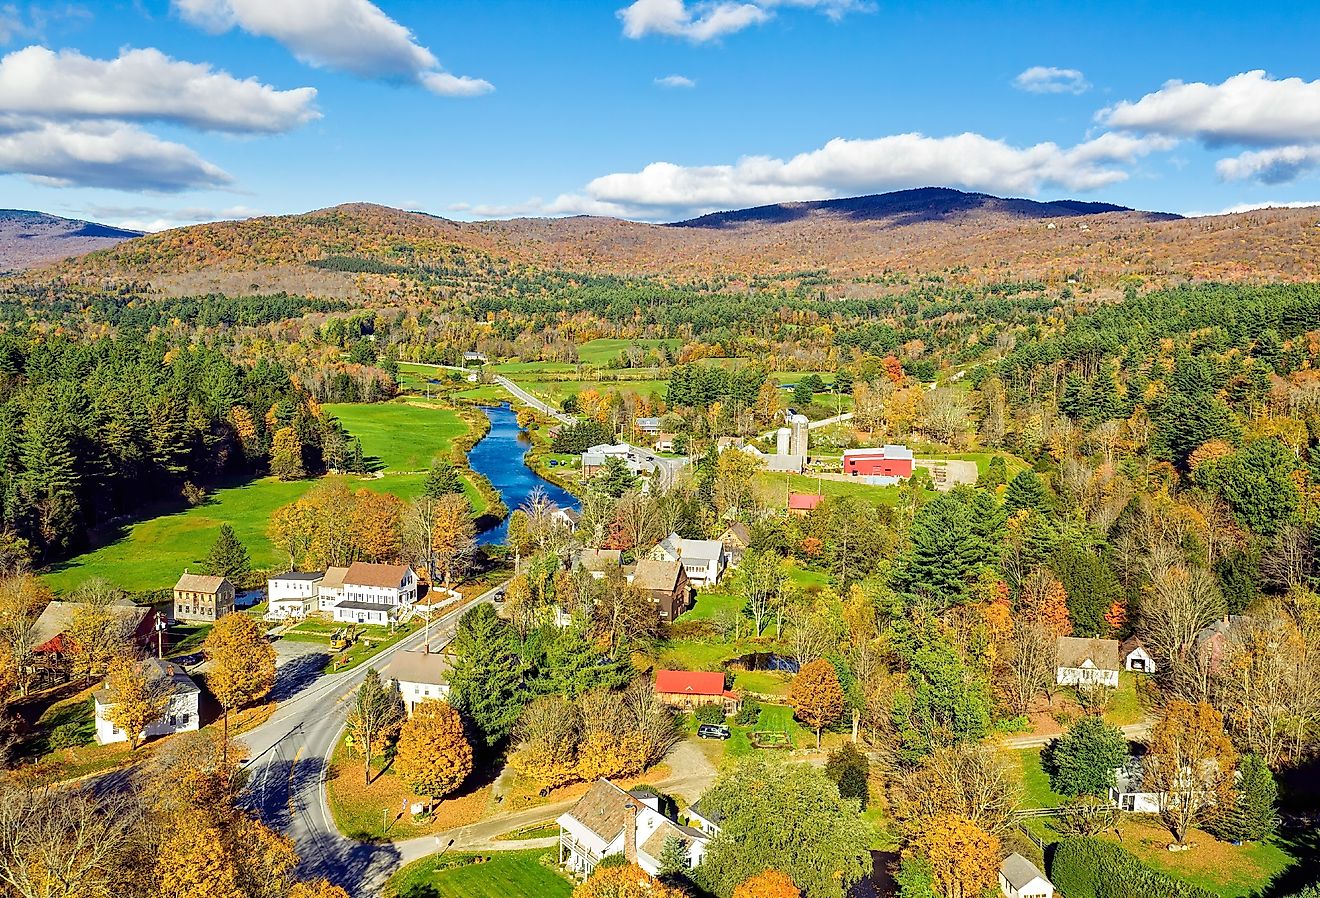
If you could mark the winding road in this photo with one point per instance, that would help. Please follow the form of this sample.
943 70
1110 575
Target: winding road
528 399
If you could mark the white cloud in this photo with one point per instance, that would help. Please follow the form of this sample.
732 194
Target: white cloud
1277 165
1253 207
705 21
157 218
675 81
146 85
1251 108
1040 79
845 167
353 36
101 154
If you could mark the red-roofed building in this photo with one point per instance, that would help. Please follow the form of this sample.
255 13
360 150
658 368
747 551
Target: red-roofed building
689 688
801 504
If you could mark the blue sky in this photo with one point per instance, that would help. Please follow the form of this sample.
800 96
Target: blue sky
163 112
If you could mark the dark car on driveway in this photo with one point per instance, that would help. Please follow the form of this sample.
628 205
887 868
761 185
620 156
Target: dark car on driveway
713 731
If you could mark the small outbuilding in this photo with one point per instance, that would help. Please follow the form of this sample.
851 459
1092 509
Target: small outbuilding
1020 878
1135 656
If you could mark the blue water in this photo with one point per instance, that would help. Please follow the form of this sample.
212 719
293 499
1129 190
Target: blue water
499 455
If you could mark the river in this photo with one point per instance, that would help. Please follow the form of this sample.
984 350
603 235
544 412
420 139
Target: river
499 456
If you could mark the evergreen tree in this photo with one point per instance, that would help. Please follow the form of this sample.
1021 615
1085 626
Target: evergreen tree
441 480
486 683
228 557
850 771
942 558
802 394
996 474
1082 761
1026 491
673 859
615 478
1252 817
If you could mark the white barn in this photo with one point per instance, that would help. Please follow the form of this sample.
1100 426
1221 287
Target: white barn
1020 878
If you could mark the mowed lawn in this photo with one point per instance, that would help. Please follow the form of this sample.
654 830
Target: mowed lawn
605 350
400 436
555 392
500 874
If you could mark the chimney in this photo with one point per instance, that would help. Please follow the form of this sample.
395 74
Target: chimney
630 832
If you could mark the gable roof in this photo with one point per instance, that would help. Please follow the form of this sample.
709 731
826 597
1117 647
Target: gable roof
418 667
654 846
689 682
661 575
180 682
1019 871
300 575
1130 645
804 501
1102 653
709 549
599 559
739 531
57 616
334 578
603 810
202 583
385 576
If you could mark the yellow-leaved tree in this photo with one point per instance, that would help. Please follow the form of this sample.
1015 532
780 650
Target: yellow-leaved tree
963 857
242 663
627 881
140 693
433 755
769 884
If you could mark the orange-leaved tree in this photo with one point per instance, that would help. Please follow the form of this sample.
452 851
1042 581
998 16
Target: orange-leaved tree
433 755
963 857
1190 764
769 884
816 696
627 881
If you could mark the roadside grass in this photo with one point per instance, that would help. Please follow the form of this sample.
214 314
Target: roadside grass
360 810
772 488
1036 791
399 435
543 830
1234 871
482 393
555 391
501 874
1125 705
370 642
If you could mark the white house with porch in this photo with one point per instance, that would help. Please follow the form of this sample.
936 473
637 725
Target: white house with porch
702 559
608 820
1087 662
422 676
376 593
293 594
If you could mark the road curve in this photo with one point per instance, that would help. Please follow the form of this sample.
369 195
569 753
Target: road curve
289 760
528 399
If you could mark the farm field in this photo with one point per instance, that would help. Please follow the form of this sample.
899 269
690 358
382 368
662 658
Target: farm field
604 350
150 554
773 489
555 392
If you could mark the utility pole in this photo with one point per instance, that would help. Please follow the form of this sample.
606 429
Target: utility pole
160 637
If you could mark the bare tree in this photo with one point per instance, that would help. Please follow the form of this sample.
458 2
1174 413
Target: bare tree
1179 602
1290 559
972 781
760 579
1028 664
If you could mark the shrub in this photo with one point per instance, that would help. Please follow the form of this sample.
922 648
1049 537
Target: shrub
1086 867
66 735
708 714
748 714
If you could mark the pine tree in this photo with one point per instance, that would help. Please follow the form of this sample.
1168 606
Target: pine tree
228 557
850 770
486 683
674 861
1252 817
1026 491
441 480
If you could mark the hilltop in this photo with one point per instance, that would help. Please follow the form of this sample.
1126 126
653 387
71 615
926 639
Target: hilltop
360 248
28 239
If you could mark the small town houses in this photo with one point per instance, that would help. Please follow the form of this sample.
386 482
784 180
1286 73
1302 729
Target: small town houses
421 675
202 597
362 593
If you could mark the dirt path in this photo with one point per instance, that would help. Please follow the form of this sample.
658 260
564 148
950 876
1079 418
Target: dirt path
1133 731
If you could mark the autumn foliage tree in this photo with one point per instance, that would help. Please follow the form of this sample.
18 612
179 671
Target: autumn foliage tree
140 694
627 881
769 884
286 455
375 719
816 695
1190 762
963 857
242 663
433 755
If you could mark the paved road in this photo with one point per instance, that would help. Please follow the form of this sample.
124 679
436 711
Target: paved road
527 398
289 758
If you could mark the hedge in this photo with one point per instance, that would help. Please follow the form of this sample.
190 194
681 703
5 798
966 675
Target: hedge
1087 867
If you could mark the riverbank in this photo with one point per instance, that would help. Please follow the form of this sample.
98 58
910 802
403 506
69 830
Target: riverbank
501 457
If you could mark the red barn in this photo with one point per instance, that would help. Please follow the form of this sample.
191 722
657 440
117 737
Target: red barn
689 688
886 461
801 504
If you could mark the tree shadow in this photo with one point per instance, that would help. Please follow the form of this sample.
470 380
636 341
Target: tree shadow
297 674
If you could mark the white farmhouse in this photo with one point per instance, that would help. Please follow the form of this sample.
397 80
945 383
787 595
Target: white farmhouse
1087 662
376 593
702 559
421 675
608 821
181 715
293 594
1020 878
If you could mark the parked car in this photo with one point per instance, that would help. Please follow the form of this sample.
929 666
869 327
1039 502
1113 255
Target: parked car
713 731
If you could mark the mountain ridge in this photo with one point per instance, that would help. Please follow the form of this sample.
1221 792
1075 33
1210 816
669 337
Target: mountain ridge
29 238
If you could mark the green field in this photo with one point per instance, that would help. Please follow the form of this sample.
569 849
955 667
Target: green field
554 392
772 487
150 554
400 436
605 350
504 874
